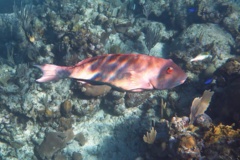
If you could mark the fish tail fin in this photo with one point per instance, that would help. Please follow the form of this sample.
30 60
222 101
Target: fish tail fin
53 72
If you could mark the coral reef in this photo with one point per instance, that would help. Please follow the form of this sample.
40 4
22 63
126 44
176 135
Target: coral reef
222 142
203 39
227 87
66 120
203 121
200 105
133 99
6 73
66 108
116 107
220 134
187 148
95 90
186 141
80 138
195 137
150 136
215 12
53 142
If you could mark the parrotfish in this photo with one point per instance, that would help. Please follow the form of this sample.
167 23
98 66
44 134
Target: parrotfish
128 72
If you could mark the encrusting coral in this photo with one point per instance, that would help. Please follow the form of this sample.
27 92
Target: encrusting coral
196 137
221 134
225 107
95 90
53 142
221 142
187 148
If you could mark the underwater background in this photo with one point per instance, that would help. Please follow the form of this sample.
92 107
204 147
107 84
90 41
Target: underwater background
65 120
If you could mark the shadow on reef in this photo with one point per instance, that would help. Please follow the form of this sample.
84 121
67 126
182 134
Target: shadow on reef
132 147
225 103
8 6
124 144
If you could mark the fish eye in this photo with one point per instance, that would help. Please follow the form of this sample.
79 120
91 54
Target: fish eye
169 70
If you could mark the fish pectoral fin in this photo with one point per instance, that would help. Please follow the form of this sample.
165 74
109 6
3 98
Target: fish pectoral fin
149 86
135 82
132 77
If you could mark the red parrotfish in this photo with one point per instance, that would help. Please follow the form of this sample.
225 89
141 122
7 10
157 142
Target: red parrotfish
128 72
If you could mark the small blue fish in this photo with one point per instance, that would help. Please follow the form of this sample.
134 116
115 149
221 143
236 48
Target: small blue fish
208 81
192 9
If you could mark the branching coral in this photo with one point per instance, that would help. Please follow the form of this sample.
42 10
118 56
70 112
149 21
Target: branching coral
163 107
200 105
147 9
152 35
25 15
150 136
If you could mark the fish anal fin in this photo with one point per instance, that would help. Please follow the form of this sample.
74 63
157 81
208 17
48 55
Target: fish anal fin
137 90
81 82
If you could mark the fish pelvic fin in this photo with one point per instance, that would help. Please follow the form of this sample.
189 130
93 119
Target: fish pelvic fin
53 72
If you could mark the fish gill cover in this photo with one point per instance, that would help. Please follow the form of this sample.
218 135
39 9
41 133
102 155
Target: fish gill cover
71 120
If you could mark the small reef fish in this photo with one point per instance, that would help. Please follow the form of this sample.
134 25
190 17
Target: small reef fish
209 81
192 10
201 57
128 72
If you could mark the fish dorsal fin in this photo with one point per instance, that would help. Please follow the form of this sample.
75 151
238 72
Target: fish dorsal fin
84 61
91 59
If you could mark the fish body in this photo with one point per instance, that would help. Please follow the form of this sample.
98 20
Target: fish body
201 57
192 9
209 81
129 72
